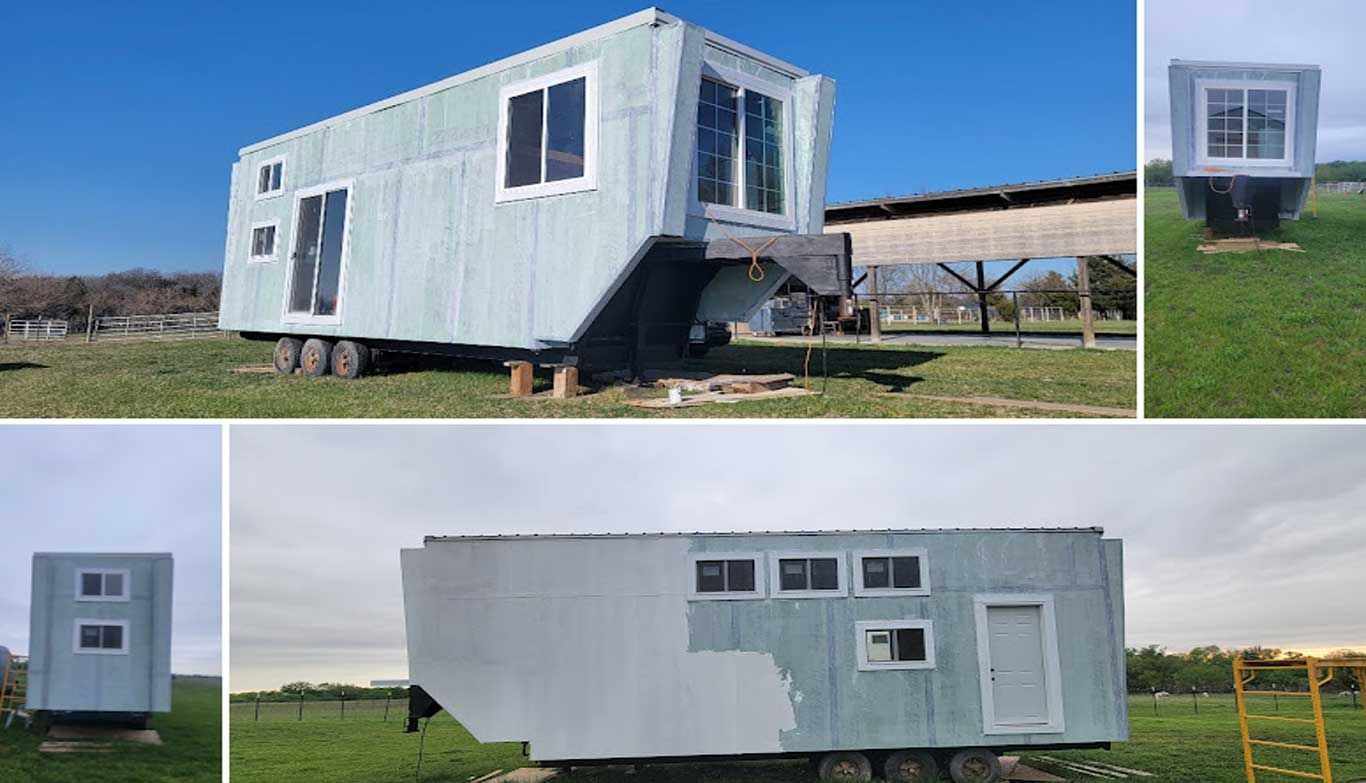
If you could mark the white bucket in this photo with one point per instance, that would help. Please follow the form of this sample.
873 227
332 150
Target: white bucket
675 395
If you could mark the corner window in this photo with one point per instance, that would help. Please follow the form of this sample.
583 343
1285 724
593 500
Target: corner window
270 177
547 135
891 572
1242 122
101 637
102 585
807 574
895 644
741 148
263 241
725 576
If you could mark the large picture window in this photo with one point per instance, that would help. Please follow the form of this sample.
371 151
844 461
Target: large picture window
547 135
741 148
1247 123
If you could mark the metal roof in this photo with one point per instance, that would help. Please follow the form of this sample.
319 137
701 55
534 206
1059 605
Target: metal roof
1119 184
827 532
1244 66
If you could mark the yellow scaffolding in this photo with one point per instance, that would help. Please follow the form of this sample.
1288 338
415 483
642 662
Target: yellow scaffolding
1319 673
13 686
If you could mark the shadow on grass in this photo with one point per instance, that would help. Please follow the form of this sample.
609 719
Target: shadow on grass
843 362
7 366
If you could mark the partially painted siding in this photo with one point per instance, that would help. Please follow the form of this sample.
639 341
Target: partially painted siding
59 678
433 258
517 637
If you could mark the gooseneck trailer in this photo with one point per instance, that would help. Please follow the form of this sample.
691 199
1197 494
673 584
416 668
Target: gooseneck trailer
597 201
895 653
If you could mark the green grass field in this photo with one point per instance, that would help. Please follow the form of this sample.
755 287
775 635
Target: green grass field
1176 746
192 737
1271 334
196 379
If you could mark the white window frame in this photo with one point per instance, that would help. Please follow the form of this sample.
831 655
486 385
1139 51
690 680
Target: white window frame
891 592
589 181
76 637
1048 632
731 595
775 577
127 585
256 181
299 195
862 628
1202 88
252 258
742 82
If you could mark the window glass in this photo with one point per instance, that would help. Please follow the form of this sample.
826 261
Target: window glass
113 584
740 575
90 584
716 143
1225 118
910 644
112 637
263 241
710 576
524 139
275 173
763 153
305 254
90 637
1266 111
905 572
792 574
329 259
565 131
879 646
875 572
825 574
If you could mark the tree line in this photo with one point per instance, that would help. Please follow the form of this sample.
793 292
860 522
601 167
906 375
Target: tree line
325 691
1158 172
1210 669
27 294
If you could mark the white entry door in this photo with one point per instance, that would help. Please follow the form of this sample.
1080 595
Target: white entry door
1019 692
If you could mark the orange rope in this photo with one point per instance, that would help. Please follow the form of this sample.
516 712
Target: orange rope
756 271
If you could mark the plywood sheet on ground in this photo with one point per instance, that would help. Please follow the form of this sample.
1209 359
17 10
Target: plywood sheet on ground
1246 245
1002 402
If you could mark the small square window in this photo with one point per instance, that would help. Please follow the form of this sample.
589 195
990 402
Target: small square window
92 584
270 177
101 637
824 574
740 575
263 241
102 585
113 584
90 637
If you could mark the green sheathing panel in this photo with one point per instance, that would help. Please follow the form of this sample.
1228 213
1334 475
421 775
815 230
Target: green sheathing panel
61 679
837 706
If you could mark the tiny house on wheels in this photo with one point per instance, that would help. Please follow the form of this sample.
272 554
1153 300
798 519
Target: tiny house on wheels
100 634
895 653
1243 141
607 200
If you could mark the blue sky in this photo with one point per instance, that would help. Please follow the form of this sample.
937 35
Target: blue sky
121 121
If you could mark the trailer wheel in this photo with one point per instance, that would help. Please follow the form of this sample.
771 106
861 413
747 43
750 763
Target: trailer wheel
911 766
350 360
315 357
975 766
287 355
846 767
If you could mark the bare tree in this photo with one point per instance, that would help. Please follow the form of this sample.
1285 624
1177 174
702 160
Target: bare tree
10 265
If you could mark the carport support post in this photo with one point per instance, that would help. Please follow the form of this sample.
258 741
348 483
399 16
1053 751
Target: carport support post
1088 328
982 296
874 307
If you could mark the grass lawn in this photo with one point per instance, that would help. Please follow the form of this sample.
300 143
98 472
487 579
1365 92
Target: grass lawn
1271 334
192 737
195 379
1177 746
1027 327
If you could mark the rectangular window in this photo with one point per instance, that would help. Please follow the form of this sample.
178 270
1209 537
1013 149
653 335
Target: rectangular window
891 572
1244 122
726 135
101 637
102 585
725 576
263 241
270 178
319 253
895 644
548 135
807 574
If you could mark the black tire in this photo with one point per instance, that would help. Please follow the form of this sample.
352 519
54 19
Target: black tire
911 766
315 358
287 351
845 766
350 360
975 766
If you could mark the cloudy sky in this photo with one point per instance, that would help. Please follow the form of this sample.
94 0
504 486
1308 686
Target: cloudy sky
126 488
1325 33
1234 535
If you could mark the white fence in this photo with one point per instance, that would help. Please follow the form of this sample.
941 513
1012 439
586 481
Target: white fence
1341 187
178 326
1042 314
35 329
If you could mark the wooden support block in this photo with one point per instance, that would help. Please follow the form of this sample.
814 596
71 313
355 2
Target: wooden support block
521 378
566 383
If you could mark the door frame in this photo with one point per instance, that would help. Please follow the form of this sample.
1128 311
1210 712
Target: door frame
1048 636
286 316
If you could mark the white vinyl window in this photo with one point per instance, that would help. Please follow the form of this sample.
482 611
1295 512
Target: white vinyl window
807 574
895 644
270 178
744 149
1248 123
100 637
263 239
725 576
548 135
102 584
891 572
